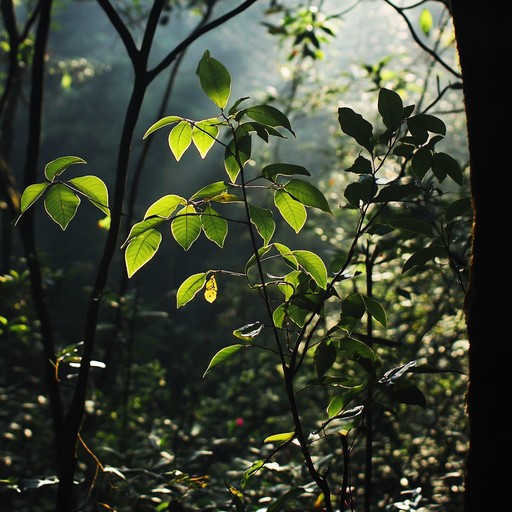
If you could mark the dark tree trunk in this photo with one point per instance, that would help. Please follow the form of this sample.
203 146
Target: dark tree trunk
484 43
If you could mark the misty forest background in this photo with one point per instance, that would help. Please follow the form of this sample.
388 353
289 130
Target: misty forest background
156 434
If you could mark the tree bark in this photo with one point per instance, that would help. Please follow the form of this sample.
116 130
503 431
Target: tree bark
484 45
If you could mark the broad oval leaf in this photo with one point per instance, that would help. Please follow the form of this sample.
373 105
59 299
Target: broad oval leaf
424 256
165 206
189 288
421 162
215 80
94 189
375 309
293 212
214 226
444 164
273 170
390 108
61 204
268 115
204 135
31 194
262 219
59 165
280 438
355 126
180 139
325 356
186 226
221 356
236 156
142 227
141 249
211 190
165 121
307 194
413 225
313 266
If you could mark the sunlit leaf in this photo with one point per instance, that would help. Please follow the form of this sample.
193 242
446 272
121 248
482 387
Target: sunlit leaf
94 190
292 211
211 190
215 79
214 226
142 227
279 438
236 155
59 165
165 206
166 121
340 401
237 497
180 139
141 249
307 194
210 289
426 21
61 204
221 356
186 226
313 266
204 134
262 219
30 195
189 288
255 467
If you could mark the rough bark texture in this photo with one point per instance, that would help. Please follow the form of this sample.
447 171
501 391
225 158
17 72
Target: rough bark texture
484 39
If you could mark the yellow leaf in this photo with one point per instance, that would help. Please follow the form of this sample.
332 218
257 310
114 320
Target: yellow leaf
210 292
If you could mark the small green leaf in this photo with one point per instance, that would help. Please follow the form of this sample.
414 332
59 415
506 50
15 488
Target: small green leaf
165 206
61 204
204 134
186 226
263 221
313 265
142 227
30 195
279 438
421 162
236 155
221 356
361 165
268 115
166 121
443 164
94 190
293 212
426 21
255 467
59 165
214 226
391 109
180 139
141 249
215 80
189 288
375 309
325 356
211 190
307 194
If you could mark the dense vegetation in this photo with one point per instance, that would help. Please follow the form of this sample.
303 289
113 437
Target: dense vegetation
325 368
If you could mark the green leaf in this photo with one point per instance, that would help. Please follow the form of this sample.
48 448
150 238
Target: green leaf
215 80
165 206
211 190
352 310
391 109
458 208
361 192
165 121
61 204
94 190
355 350
180 139
361 165
236 156
355 126
214 226
279 438
30 195
426 21
273 170
268 115
424 256
313 266
221 356
395 192
325 355
307 194
141 249
204 134
426 122
340 401
255 467
263 221
186 226
443 164
237 497
375 309
413 225
59 165
189 288
293 212
142 227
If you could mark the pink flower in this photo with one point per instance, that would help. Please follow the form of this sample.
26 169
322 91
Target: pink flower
239 422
